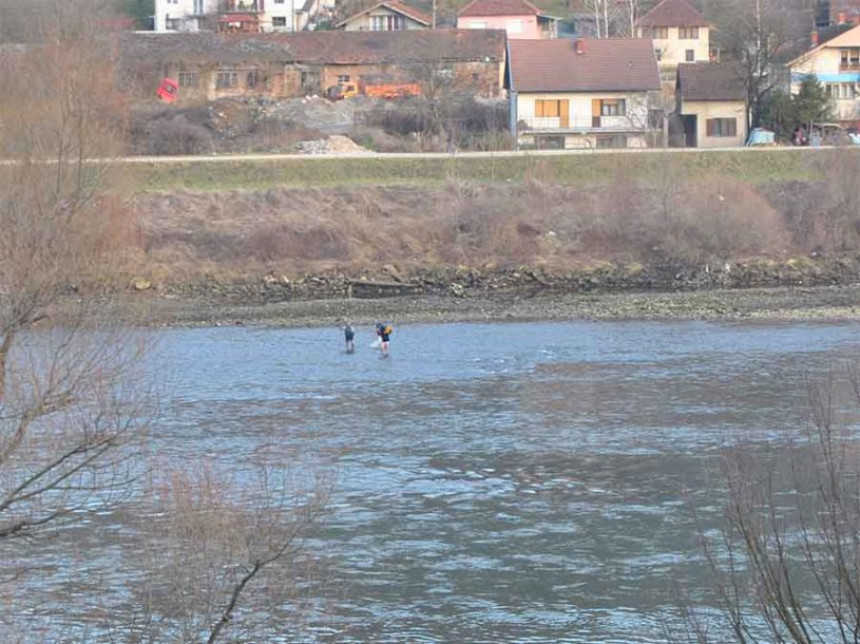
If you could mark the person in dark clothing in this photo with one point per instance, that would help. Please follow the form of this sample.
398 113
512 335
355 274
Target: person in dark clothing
349 337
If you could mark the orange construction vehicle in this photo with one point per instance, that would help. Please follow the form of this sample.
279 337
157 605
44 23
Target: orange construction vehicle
374 89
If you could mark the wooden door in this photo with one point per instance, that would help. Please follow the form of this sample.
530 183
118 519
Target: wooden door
564 113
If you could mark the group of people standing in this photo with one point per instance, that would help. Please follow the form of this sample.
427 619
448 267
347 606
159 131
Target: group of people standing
383 334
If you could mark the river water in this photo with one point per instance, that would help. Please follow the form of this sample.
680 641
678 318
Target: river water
497 482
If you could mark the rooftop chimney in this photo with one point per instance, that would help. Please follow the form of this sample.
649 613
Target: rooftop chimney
840 18
578 46
813 38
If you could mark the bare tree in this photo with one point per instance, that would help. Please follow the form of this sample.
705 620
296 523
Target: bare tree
786 560
759 35
221 559
64 412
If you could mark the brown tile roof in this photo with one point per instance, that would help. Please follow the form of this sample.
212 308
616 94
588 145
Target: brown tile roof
711 82
397 7
673 13
604 64
314 47
500 8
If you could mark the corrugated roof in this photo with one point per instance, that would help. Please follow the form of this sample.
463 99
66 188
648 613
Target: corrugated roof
711 82
604 64
499 8
397 7
673 13
320 47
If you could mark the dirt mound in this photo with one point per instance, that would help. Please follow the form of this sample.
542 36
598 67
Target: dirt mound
335 144
314 112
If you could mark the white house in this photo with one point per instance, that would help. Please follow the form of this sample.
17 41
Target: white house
587 93
835 62
248 16
680 33
389 15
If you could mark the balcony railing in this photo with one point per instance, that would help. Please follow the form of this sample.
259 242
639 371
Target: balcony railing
243 6
849 67
583 124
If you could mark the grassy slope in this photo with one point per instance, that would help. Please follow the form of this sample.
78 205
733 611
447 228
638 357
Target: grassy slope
752 166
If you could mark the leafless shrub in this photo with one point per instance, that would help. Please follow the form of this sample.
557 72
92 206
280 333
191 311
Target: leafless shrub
785 559
220 557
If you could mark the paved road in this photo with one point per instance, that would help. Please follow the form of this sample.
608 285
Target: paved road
230 158
442 155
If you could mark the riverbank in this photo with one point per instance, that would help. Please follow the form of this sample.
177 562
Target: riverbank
831 303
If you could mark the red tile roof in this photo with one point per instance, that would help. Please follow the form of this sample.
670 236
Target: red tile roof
500 8
395 6
673 13
315 47
588 64
711 82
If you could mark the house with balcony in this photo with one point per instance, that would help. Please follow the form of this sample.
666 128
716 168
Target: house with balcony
519 18
390 15
242 16
184 15
680 34
587 93
711 105
835 61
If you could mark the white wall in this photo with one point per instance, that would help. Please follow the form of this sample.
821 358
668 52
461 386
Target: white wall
705 110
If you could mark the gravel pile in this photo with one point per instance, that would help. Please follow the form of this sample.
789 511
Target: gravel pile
334 144
314 112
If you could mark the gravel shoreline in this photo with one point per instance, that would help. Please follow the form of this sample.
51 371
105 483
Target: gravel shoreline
825 303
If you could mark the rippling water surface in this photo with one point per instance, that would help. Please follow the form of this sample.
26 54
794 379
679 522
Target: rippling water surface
496 483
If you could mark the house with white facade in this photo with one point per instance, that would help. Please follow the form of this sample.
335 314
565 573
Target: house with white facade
835 62
680 34
712 105
246 16
586 93
389 15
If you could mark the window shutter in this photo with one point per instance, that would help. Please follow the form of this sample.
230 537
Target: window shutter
733 127
709 127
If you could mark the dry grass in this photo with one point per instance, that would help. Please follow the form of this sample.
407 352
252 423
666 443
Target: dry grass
666 219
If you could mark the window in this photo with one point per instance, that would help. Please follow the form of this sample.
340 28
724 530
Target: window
690 55
514 27
279 21
659 54
477 24
188 79
721 127
279 1
841 91
252 79
613 142
850 58
660 33
172 24
688 33
613 107
226 80
387 23
343 78
547 108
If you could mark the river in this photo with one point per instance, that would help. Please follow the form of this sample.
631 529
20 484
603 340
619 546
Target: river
495 482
